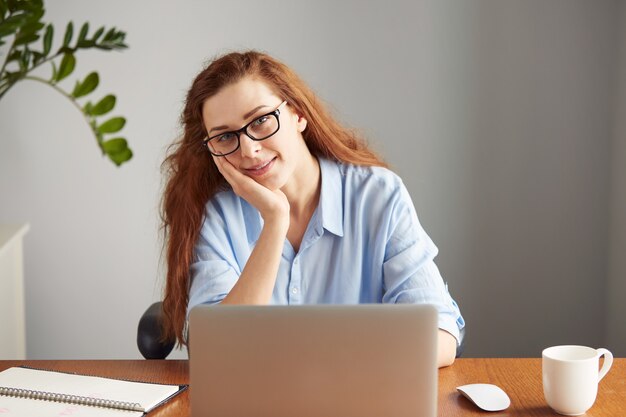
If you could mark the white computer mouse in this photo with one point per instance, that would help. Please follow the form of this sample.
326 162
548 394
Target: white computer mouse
486 396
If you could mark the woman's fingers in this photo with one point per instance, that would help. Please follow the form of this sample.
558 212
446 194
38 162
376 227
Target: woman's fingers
219 162
268 202
238 181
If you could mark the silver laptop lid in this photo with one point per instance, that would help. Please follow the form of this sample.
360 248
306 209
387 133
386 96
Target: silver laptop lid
317 361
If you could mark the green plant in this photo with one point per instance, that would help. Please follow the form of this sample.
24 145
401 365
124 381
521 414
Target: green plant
21 20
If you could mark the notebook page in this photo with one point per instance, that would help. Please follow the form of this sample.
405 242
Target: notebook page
24 407
147 395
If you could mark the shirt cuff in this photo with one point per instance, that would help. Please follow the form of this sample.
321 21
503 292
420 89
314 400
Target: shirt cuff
451 325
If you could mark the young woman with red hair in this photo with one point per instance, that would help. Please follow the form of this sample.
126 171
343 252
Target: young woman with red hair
269 200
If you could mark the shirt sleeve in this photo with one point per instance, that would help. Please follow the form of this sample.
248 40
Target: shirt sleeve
214 269
409 271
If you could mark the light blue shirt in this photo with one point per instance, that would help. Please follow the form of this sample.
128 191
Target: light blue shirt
363 244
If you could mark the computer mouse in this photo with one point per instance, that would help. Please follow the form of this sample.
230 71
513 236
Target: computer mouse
486 396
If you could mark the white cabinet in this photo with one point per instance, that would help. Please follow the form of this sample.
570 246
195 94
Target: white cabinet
12 314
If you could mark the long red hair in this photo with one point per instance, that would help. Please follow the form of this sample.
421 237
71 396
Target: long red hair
193 178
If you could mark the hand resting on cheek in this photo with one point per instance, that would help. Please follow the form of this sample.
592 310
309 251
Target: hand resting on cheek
272 204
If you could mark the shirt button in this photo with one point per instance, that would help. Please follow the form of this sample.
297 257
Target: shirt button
294 290
295 262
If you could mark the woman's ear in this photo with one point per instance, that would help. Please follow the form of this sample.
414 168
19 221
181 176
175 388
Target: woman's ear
301 123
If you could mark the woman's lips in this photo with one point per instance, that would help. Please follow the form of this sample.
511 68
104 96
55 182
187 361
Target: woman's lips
260 169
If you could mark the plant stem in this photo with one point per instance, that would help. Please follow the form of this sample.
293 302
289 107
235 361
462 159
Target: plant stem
4 64
44 81
50 58
70 98
9 84
4 88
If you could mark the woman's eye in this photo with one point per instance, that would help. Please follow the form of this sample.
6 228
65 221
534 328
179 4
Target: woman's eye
260 120
226 137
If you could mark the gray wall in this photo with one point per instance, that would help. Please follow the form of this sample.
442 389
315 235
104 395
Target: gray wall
501 116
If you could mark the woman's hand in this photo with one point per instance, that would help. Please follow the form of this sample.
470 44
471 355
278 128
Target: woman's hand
272 204
256 282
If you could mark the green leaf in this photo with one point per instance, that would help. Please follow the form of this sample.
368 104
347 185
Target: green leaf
86 44
55 72
37 56
67 66
12 24
116 145
87 86
32 6
47 40
65 50
24 39
25 59
83 32
103 106
3 9
113 39
31 26
68 34
112 125
110 34
117 150
15 55
98 33
10 5
121 157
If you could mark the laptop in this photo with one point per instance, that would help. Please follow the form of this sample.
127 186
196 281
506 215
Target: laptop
369 360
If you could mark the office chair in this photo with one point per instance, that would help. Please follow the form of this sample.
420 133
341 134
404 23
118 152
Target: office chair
149 335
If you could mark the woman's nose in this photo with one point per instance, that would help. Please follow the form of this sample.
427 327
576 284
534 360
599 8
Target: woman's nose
248 146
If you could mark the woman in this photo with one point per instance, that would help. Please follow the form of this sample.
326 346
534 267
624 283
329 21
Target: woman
270 201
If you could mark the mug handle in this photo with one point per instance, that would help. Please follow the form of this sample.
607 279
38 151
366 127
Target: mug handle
608 361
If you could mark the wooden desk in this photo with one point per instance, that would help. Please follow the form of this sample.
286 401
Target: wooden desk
520 378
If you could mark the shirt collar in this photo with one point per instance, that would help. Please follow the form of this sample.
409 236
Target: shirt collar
331 196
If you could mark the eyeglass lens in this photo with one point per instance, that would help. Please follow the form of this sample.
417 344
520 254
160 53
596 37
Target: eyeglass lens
259 129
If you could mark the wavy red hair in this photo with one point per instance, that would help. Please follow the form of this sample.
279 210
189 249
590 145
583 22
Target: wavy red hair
193 178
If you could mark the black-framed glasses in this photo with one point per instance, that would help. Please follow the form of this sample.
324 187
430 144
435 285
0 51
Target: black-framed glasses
258 129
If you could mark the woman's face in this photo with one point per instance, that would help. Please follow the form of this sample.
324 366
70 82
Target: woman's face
270 162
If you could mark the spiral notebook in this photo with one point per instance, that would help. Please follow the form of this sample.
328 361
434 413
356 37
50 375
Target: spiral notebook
27 392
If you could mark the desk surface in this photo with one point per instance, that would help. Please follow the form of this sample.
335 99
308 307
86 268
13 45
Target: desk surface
520 378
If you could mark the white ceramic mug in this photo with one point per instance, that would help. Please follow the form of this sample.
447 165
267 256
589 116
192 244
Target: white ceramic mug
571 377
